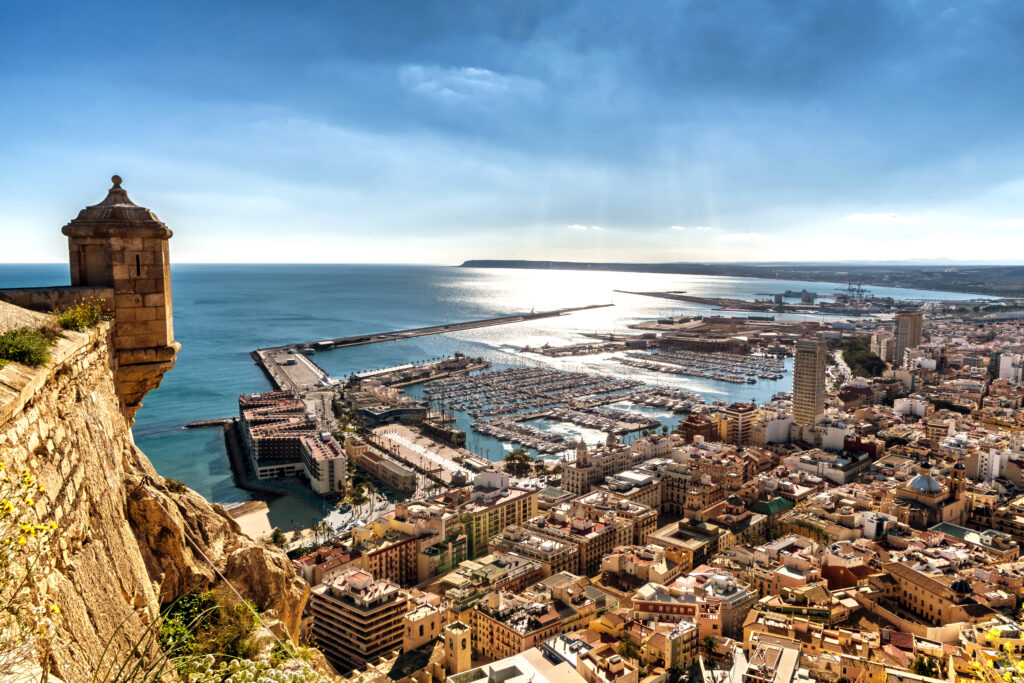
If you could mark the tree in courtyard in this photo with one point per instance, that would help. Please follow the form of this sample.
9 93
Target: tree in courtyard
925 666
357 495
628 648
709 644
677 674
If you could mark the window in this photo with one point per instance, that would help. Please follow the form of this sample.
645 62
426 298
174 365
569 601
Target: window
138 266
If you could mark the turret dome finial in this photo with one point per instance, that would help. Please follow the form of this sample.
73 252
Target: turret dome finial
116 179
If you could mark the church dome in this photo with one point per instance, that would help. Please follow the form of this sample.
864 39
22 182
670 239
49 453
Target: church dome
960 586
925 484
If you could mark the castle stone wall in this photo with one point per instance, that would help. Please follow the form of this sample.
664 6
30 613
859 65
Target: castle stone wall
123 545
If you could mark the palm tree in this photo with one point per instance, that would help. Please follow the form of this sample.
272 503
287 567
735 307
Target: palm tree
323 531
628 648
709 644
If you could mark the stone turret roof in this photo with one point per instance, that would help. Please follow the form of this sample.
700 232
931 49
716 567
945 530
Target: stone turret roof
116 215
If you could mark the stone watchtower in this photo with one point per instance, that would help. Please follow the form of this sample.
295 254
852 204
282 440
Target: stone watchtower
119 246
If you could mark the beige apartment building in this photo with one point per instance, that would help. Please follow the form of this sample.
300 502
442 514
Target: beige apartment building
553 556
488 507
357 618
506 624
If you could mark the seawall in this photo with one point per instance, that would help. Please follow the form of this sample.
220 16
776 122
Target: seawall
127 542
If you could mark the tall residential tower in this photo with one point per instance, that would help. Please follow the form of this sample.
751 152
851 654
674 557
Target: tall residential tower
908 333
808 382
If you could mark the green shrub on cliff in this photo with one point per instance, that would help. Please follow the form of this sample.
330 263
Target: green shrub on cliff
81 316
207 637
26 346
212 623
174 486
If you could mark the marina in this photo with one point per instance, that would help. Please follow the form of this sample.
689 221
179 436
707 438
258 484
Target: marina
675 400
515 390
515 396
725 367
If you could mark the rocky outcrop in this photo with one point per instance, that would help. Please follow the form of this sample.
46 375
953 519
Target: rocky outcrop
188 544
127 543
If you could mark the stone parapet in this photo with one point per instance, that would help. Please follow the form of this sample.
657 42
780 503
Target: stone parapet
46 299
139 364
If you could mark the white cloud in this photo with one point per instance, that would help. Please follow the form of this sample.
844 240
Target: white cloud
1010 223
882 219
577 226
702 228
464 84
744 236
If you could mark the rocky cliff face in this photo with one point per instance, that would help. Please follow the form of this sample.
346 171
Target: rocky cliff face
126 542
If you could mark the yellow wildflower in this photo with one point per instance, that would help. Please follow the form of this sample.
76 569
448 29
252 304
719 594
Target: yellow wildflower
22 540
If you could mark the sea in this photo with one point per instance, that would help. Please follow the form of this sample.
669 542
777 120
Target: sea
222 312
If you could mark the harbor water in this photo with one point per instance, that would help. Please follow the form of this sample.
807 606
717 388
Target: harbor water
222 312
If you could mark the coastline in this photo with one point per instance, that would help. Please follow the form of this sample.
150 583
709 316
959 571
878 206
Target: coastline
872 275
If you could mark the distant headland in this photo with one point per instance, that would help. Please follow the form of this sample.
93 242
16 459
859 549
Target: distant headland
996 280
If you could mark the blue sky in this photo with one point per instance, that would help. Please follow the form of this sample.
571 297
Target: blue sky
435 132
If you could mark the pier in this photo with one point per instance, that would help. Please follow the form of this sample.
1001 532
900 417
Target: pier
215 422
288 367
359 339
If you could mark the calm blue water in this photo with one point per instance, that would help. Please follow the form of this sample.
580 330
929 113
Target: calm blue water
222 312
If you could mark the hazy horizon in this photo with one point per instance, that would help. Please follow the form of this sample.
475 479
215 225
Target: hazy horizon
386 132
922 263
